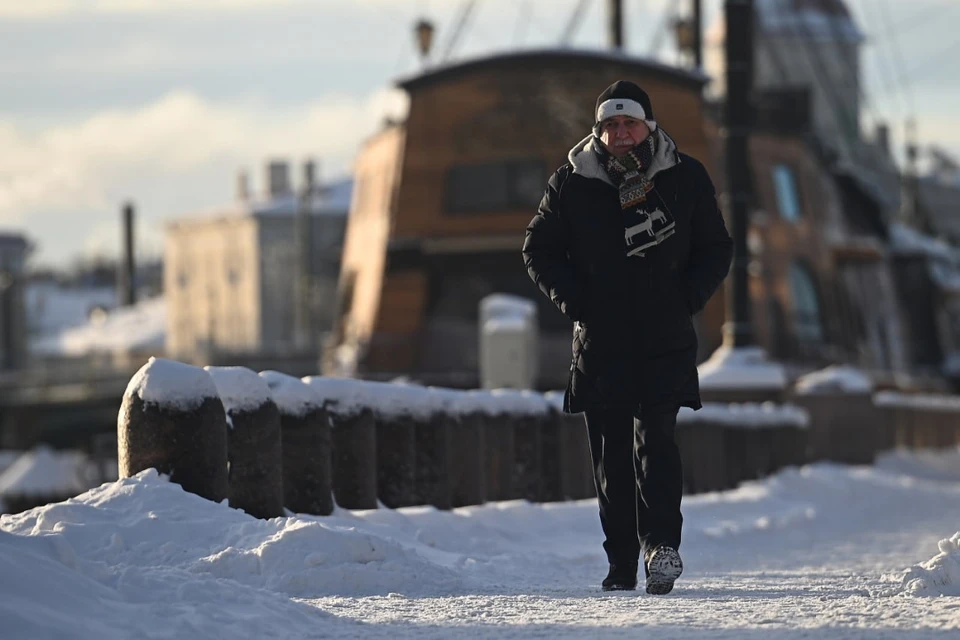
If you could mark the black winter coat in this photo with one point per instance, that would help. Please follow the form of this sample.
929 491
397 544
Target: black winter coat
633 338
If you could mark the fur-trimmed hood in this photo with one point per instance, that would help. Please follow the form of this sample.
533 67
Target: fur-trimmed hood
585 161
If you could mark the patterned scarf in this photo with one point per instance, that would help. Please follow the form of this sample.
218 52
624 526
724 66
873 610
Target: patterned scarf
628 171
647 219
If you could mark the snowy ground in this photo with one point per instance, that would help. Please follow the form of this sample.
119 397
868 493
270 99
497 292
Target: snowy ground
821 552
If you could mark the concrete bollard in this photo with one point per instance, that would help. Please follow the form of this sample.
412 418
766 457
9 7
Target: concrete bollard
354 440
305 434
354 459
171 419
254 441
396 459
468 479
724 445
525 411
552 478
573 468
498 453
702 450
434 462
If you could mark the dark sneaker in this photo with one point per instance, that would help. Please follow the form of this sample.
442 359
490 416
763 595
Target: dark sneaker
663 568
622 577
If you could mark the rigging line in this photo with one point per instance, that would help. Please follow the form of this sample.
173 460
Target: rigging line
574 22
927 68
920 19
524 15
465 10
881 66
898 58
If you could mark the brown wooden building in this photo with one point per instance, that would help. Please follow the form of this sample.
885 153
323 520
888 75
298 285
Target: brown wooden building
442 199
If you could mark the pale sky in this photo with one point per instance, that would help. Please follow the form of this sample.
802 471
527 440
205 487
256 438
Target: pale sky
163 101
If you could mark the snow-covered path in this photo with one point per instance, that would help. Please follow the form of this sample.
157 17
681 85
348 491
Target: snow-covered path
816 552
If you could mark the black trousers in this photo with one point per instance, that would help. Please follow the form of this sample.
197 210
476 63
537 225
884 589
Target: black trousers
639 480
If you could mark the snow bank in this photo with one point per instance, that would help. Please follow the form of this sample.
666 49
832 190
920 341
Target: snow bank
139 328
747 415
140 557
43 472
937 465
164 538
52 308
239 388
939 576
834 379
172 384
292 396
741 368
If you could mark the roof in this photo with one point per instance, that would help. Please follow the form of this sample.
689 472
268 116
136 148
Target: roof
817 19
542 57
331 199
12 240
813 19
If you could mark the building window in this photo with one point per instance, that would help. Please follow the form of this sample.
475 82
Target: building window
788 198
807 323
494 187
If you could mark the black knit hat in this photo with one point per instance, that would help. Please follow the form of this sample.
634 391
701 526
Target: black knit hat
624 98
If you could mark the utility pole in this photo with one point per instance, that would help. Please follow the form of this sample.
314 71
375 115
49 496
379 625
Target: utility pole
128 285
911 202
697 20
615 24
738 330
303 235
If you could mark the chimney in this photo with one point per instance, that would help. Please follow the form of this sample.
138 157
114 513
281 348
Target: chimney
243 185
883 137
615 24
309 176
128 289
278 178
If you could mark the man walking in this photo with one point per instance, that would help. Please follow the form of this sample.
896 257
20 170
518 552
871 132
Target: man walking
629 243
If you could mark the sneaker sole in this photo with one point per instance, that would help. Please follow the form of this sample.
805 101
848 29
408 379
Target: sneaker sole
664 568
619 587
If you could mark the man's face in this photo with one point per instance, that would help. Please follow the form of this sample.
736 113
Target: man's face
619 134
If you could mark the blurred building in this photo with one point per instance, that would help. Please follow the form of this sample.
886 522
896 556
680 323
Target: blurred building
254 283
807 58
13 319
442 200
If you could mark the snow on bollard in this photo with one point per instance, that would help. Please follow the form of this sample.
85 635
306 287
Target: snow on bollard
172 419
305 436
353 438
253 443
572 466
525 410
